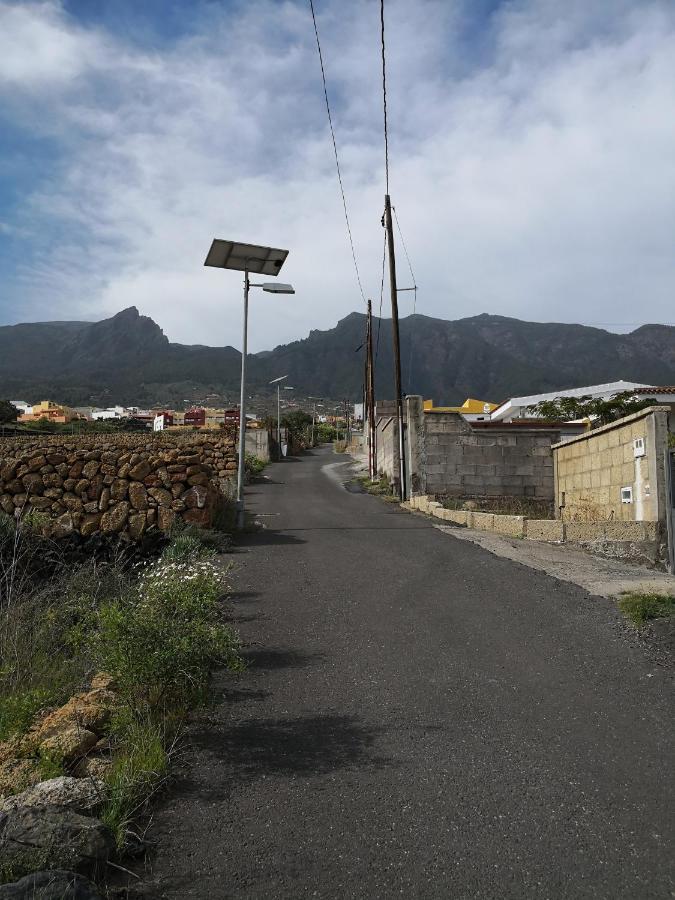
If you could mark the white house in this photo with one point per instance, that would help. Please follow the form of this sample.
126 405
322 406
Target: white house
519 407
25 409
112 412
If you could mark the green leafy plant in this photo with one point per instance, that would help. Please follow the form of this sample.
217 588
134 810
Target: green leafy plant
600 411
161 642
641 608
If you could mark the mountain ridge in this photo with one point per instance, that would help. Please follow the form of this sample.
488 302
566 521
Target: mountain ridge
127 358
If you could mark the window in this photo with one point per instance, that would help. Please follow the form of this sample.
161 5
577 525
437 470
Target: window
639 447
626 494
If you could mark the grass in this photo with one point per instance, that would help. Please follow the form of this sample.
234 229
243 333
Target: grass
254 465
642 608
140 768
380 488
155 626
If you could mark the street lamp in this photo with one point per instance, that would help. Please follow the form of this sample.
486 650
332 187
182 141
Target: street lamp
315 399
277 382
249 259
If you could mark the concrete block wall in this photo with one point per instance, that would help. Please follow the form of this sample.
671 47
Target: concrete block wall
639 542
592 469
449 456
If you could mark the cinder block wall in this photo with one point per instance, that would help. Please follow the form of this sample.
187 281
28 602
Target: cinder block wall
592 469
448 456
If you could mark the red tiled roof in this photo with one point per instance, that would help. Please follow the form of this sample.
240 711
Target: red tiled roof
665 389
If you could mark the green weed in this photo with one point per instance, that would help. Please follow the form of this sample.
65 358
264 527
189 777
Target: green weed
641 608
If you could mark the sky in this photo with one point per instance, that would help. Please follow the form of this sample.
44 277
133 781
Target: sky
531 146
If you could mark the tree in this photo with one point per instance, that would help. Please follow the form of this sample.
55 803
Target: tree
598 410
8 412
296 421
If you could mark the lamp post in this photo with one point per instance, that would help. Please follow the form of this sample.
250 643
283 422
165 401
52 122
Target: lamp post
278 381
315 399
257 260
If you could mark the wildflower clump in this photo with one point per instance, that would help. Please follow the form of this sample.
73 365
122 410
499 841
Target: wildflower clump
160 641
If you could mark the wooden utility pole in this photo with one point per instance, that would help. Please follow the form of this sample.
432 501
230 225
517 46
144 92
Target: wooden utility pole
369 412
397 347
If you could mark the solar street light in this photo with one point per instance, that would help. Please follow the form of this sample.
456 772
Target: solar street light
257 260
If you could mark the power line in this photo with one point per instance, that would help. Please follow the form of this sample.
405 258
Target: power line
337 161
379 315
412 275
384 99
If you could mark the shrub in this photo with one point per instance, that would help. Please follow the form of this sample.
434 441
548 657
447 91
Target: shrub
160 642
254 466
641 608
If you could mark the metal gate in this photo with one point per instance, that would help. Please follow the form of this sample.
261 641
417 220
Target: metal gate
670 511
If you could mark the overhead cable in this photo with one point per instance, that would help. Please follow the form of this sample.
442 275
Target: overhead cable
384 99
335 150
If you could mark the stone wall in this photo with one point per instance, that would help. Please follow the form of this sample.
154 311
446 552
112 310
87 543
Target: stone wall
124 484
592 469
447 455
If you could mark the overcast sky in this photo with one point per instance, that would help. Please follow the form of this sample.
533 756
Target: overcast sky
532 156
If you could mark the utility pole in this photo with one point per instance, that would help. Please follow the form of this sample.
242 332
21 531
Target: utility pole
397 347
369 411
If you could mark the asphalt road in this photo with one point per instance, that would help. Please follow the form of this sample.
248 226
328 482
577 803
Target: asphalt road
419 719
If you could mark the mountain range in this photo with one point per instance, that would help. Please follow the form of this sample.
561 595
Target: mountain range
127 359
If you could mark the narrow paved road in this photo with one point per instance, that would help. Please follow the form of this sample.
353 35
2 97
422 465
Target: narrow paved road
420 719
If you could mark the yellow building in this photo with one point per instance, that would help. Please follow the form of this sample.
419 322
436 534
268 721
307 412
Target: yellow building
55 412
472 410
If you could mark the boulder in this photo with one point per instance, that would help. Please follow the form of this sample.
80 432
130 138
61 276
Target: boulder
195 497
199 517
90 524
138 496
7 504
82 486
63 526
115 518
137 523
37 462
91 468
199 478
33 483
162 496
16 772
140 470
80 794
57 884
119 489
53 837
53 480
165 518
69 743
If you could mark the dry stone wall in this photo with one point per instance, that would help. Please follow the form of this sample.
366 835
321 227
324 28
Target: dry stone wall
122 484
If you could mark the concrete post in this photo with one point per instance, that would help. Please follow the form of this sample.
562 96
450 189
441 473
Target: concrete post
416 445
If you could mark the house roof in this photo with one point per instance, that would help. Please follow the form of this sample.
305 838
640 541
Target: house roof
664 389
612 387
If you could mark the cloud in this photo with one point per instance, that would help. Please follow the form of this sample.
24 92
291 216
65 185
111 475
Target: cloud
532 161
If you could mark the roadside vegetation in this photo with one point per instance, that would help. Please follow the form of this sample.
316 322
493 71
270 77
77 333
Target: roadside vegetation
380 488
154 626
641 608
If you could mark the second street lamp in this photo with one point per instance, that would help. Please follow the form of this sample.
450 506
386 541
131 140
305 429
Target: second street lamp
257 260
278 381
